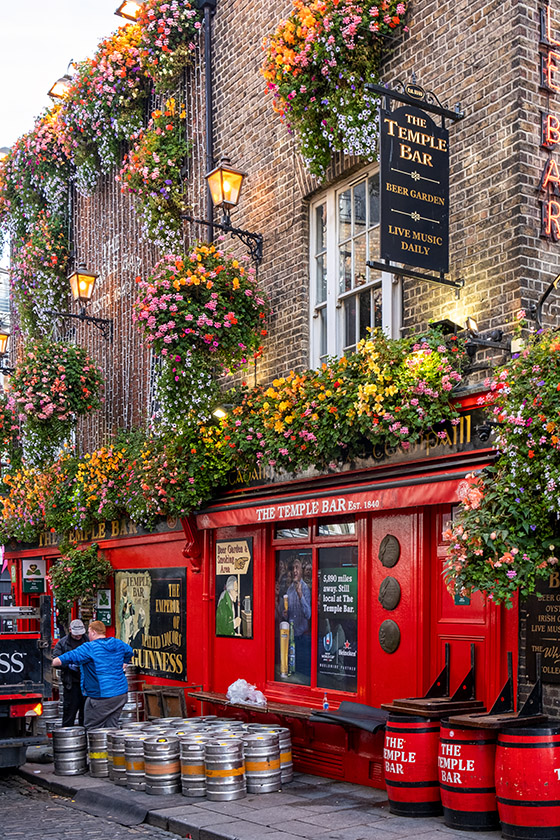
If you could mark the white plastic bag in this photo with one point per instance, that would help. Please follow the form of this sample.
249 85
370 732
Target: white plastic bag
241 691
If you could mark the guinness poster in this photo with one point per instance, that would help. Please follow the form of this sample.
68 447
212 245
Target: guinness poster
151 612
414 189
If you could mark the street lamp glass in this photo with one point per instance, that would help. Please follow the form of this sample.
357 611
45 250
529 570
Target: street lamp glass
472 326
4 336
225 184
129 9
82 284
60 87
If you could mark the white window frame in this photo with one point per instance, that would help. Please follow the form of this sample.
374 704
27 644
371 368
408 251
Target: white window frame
390 284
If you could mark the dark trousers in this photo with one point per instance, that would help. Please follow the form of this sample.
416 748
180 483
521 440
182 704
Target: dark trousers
104 712
73 704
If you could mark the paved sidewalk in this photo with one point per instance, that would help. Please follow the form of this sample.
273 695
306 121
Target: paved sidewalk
309 807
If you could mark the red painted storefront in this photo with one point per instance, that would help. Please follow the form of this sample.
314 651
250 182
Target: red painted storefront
340 515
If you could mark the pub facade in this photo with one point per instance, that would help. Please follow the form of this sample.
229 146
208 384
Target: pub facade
327 585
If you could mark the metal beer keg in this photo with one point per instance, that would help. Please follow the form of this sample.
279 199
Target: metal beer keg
262 762
98 753
70 751
161 764
193 771
285 743
225 770
134 760
118 758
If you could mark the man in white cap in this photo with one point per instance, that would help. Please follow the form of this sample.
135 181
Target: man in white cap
73 699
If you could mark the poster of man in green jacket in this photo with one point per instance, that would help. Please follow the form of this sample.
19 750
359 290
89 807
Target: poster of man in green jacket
234 588
227 622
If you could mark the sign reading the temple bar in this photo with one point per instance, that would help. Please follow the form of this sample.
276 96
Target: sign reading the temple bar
543 629
414 189
151 613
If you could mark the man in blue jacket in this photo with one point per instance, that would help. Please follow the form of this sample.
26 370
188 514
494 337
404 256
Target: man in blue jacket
101 662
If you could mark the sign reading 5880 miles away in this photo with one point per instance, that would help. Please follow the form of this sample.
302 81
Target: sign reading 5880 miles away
414 189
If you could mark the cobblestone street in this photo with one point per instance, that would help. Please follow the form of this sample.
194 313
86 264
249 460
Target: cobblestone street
28 811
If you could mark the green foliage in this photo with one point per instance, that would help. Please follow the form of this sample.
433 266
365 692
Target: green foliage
78 573
507 535
316 64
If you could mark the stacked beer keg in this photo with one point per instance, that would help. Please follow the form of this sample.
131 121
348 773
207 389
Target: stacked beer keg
69 751
219 758
133 709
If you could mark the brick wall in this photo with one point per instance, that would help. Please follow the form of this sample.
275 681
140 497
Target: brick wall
485 57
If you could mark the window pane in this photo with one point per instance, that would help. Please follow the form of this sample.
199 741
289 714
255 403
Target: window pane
296 532
373 191
377 307
344 215
365 313
337 645
294 596
332 528
359 207
320 228
373 246
345 269
321 278
350 323
323 332
360 260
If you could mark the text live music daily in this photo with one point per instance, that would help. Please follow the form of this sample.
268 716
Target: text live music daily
415 190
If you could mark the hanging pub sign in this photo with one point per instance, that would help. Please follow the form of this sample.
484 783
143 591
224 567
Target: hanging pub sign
234 588
150 616
33 574
103 611
414 189
414 183
543 629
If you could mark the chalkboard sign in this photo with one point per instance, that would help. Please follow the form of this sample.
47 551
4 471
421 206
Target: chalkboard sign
543 629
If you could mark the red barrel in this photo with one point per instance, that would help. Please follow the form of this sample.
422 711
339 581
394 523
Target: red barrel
528 782
466 777
410 759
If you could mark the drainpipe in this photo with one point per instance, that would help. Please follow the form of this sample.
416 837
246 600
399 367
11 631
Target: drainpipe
209 8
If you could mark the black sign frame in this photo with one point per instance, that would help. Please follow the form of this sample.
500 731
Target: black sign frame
414 190
151 616
543 630
420 147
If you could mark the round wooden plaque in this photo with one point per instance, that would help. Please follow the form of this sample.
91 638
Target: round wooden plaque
389 593
389 635
389 551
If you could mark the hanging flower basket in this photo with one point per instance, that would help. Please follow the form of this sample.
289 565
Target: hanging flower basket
316 64
202 306
54 384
